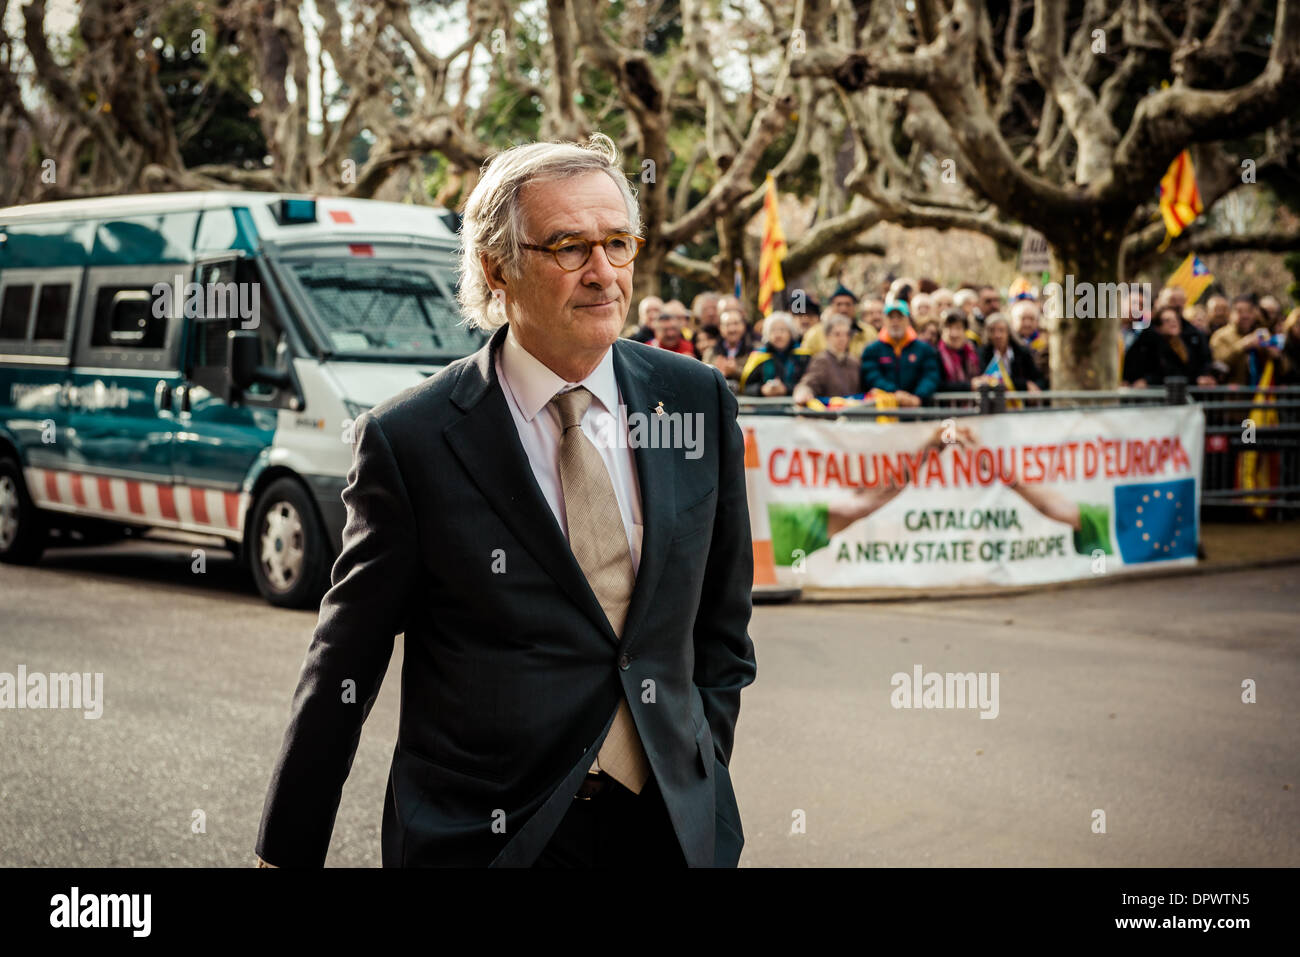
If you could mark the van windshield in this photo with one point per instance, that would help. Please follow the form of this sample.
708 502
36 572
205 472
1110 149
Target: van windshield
367 309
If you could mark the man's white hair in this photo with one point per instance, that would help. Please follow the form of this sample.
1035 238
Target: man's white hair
493 220
963 296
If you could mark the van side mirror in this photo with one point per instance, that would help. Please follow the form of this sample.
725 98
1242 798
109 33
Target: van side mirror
243 351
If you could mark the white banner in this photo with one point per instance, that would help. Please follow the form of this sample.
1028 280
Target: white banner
1006 499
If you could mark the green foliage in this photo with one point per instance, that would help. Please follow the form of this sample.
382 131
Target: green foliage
207 92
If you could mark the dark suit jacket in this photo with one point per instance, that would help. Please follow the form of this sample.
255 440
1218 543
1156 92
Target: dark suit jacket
511 672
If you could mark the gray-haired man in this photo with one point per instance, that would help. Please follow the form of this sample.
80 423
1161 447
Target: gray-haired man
575 609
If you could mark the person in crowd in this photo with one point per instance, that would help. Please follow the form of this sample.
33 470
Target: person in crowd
959 362
733 348
729 302
924 285
928 330
1025 318
1170 347
706 340
967 300
901 290
647 311
873 316
1016 360
942 298
705 310
1290 374
1175 296
1199 318
807 319
668 329
776 367
1270 313
990 301
900 361
1135 317
922 309
835 370
1218 314
843 301
1242 345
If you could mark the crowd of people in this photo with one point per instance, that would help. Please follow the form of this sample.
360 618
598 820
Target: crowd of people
913 339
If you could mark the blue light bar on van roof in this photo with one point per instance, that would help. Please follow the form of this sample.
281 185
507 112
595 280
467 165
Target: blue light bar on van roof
297 211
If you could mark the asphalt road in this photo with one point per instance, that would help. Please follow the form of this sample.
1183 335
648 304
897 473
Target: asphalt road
1124 699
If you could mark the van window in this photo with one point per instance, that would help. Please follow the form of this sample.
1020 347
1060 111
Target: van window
52 312
383 310
124 319
15 309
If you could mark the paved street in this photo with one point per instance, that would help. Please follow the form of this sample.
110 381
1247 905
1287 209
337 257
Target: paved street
1124 699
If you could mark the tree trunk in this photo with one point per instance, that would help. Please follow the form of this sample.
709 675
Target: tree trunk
1084 333
649 266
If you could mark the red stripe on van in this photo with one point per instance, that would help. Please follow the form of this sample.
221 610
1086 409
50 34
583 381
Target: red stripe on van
51 486
105 493
78 493
167 503
232 509
199 506
133 500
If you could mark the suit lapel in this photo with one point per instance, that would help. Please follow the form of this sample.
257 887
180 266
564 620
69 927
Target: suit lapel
486 441
642 389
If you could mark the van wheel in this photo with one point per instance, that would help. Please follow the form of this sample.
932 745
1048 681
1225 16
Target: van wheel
288 553
22 528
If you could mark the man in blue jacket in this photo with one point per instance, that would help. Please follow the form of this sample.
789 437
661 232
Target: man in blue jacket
900 361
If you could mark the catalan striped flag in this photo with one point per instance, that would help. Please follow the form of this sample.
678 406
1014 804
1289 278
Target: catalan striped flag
1180 200
770 279
1192 276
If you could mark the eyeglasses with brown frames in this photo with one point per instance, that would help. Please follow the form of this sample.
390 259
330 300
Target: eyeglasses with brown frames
572 254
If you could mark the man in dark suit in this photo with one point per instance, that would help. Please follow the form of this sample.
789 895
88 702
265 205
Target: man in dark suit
575 598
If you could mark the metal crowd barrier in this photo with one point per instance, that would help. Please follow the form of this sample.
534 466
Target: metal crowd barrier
1229 433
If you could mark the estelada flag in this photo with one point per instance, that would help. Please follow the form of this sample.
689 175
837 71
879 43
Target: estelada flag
997 372
1180 200
1192 276
770 279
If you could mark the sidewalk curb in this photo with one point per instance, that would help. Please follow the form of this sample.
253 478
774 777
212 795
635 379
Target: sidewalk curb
828 596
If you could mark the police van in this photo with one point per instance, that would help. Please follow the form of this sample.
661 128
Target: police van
193 363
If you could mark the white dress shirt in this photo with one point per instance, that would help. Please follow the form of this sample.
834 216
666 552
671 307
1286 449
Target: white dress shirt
529 385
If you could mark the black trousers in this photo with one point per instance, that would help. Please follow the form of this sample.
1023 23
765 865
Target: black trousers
616 829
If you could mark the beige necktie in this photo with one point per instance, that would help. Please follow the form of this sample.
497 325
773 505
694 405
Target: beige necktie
599 543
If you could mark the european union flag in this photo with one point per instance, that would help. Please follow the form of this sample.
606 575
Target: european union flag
1155 521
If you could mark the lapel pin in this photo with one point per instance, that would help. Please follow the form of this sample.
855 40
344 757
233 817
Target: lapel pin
659 409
